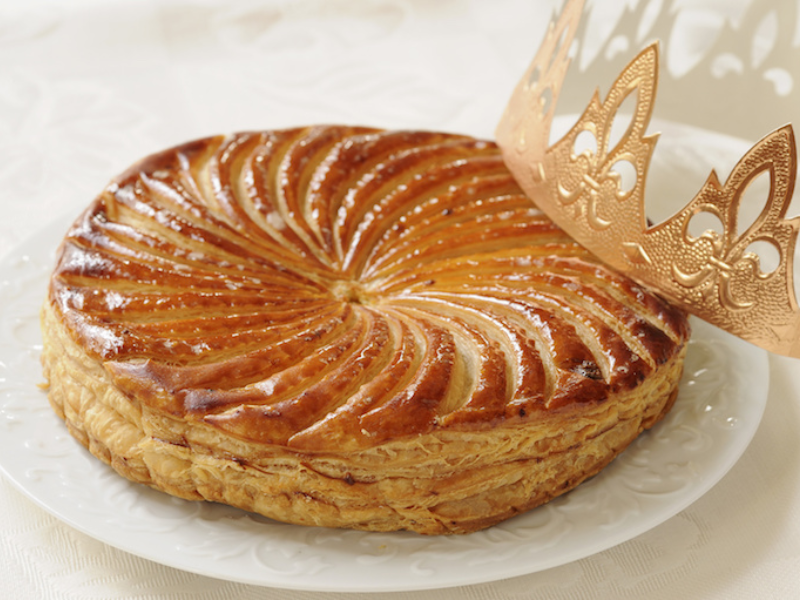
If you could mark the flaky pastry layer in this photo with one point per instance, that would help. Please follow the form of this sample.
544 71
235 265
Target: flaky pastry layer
432 484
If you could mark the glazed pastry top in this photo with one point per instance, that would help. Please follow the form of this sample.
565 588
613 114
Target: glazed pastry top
339 287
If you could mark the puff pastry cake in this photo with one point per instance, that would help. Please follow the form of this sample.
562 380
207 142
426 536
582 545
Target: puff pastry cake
348 327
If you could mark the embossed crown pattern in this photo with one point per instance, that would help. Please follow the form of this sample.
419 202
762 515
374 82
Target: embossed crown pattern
586 190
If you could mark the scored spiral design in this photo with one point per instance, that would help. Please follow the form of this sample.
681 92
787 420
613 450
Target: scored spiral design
338 287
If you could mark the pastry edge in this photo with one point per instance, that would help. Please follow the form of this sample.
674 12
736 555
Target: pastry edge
438 483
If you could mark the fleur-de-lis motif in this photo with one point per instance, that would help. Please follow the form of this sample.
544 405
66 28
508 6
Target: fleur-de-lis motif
724 260
591 180
721 267
595 173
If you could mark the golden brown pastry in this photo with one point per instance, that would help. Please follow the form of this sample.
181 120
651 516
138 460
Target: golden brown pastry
348 327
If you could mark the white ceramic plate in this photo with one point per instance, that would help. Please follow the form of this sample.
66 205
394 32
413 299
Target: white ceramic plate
721 402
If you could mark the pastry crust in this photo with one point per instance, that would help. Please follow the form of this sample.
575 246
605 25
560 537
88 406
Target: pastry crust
348 327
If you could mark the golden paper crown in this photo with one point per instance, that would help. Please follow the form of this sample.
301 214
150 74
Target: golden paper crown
715 276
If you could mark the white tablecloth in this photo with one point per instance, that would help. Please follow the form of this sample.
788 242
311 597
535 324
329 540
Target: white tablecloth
87 88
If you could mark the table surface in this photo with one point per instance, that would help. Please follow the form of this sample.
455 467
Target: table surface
86 89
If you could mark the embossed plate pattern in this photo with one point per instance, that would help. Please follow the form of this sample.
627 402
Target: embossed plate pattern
722 399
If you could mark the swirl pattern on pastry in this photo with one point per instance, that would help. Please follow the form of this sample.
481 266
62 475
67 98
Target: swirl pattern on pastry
335 290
